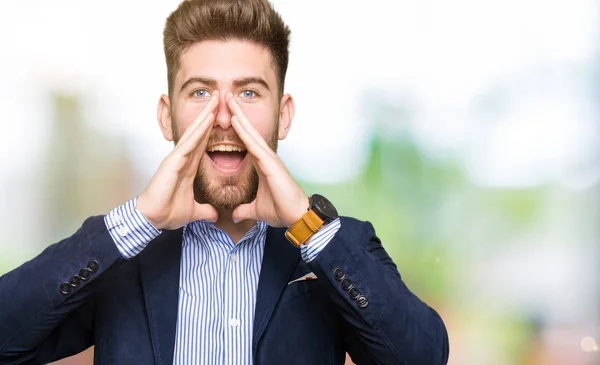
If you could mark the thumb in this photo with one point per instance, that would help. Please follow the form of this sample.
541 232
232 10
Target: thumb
243 212
205 211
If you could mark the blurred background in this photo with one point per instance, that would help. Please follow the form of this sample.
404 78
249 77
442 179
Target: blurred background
466 131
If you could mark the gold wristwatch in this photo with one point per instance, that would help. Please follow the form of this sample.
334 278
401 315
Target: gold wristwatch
320 212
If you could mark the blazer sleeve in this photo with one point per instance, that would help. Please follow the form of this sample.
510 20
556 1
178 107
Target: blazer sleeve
388 323
46 311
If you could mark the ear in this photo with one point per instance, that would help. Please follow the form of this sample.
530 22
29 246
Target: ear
163 113
286 114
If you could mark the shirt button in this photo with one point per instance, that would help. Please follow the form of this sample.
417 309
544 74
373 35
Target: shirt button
122 231
233 322
234 257
117 217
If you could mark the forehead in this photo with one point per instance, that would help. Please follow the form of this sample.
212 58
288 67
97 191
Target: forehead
225 61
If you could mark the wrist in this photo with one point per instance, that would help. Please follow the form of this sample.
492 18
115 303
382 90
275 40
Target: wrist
299 211
143 207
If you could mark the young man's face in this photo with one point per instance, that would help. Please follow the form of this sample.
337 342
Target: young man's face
226 179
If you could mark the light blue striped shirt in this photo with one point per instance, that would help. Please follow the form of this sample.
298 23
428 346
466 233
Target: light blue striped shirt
218 282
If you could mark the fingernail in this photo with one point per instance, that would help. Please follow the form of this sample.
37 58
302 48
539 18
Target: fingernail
229 95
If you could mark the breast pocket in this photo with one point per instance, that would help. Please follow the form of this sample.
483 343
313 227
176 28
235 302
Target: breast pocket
299 289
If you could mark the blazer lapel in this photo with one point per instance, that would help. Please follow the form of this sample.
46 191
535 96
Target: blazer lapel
159 267
279 261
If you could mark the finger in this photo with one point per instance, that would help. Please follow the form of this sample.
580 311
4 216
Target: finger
197 138
205 211
209 108
243 212
237 111
252 145
200 149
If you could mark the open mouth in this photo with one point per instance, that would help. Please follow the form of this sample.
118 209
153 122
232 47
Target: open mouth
227 157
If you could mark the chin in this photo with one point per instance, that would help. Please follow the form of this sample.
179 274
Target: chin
226 192
227 197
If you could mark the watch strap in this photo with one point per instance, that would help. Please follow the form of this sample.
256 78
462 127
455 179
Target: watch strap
304 228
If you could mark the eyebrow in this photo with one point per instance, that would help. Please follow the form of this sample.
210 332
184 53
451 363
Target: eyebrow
250 80
236 83
199 80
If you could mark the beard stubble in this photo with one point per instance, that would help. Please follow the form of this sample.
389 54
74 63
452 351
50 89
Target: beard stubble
227 192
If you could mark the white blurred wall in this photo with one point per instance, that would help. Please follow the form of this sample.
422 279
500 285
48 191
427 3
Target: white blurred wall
509 87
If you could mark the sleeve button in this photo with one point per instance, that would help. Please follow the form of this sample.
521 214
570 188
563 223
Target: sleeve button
84 274
347 284
93 265
339 274
354 293
65 288
75 281
362 302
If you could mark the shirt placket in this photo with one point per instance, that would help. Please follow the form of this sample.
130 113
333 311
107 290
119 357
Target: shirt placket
232 315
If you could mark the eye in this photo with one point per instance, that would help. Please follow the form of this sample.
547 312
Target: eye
201 94
248 94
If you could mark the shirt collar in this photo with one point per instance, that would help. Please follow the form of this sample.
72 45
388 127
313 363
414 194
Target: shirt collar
205 229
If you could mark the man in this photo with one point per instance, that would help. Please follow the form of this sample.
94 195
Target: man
222 259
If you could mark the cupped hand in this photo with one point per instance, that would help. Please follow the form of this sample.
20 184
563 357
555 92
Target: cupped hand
168 200
279 200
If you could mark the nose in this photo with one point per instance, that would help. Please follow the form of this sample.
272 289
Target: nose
223 115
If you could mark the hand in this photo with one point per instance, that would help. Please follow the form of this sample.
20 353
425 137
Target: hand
168 200
279 200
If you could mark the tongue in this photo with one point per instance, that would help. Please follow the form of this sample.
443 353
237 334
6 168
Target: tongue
228 160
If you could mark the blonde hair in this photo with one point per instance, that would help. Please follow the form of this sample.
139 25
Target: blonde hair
251 20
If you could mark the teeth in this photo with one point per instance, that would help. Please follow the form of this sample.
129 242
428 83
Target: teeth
225 148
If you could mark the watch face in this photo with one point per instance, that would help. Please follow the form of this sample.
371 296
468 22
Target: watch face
323 207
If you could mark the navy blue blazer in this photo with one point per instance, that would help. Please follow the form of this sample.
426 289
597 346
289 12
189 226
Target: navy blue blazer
127 309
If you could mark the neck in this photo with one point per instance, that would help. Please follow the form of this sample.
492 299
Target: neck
235 230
